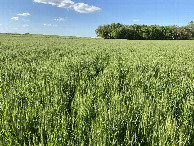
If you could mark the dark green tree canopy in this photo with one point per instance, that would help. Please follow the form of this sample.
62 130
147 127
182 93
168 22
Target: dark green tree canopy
146 32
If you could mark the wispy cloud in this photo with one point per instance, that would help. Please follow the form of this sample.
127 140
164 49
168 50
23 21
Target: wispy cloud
69 4
14 18
0 24
59 19
25 25
136 20
47 24
85 8
23 14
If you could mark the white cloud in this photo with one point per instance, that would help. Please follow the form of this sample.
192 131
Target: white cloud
15 18
24 14
85 8
47 24
25 25
136 20
59 19
0 24
68 4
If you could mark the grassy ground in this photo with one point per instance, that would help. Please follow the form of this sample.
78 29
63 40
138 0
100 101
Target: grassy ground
81 91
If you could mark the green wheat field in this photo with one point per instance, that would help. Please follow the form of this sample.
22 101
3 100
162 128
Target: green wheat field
88 91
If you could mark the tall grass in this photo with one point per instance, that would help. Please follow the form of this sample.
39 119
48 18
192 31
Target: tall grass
76 91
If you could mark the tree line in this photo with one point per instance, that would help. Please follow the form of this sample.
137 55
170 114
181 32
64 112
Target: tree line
146 32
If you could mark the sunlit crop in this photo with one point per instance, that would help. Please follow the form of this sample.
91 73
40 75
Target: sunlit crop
81 91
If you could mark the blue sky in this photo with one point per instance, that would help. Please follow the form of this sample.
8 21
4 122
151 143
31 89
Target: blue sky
82 17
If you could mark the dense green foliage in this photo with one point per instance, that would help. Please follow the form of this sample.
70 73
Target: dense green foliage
81 91
145 32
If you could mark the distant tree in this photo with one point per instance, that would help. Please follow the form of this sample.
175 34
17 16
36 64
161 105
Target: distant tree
145 32
184 33
115 29
104 31
120 33
191 26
